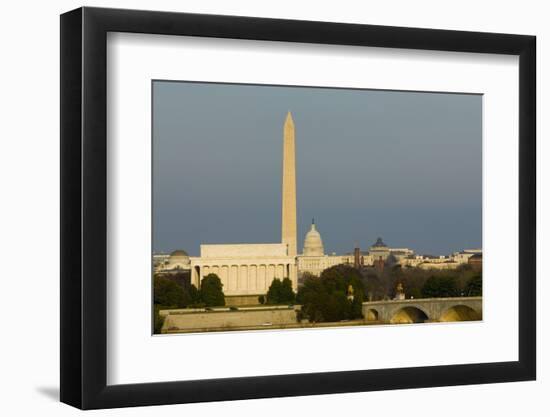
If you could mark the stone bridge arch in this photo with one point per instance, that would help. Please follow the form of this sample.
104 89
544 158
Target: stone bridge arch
460 312
423 310
372 314
408 315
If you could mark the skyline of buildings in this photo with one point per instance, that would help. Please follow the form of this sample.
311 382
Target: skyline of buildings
247 270
179 259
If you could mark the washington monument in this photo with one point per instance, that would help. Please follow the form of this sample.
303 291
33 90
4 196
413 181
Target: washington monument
288 223
247 270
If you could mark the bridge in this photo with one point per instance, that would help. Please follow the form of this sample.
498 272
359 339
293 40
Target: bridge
423 310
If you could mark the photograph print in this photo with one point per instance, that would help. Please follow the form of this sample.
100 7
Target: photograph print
303 207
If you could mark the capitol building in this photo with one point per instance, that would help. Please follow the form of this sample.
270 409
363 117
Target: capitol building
313 259
247 270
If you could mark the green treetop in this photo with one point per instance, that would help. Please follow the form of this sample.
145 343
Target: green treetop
211 291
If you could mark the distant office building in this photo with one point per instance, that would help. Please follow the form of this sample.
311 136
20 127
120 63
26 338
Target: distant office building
379 250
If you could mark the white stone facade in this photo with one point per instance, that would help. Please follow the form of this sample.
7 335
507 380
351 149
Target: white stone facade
442 262
317 264
245 269
465 255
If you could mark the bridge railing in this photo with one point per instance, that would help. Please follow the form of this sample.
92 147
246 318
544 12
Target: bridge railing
423 300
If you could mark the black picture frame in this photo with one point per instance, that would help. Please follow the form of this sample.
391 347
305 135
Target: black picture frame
84 207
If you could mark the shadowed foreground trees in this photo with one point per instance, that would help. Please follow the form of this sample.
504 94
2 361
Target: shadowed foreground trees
328 299
421 283
169 293
445 286
172 293
450 286
474 286
211 292
280 292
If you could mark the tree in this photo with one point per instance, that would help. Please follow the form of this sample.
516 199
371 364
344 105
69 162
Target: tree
374 287
313 296
280 292
440 286
412 284
168 293
211 292
287 295
474 286
413 292
338 307
305 275
194 294
340 277
273 293
356 311
183 278
325 299
382 285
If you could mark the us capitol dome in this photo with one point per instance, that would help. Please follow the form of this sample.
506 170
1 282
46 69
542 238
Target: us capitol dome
313 259
313 244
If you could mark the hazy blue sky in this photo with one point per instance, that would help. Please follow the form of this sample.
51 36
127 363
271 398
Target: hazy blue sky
401 165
